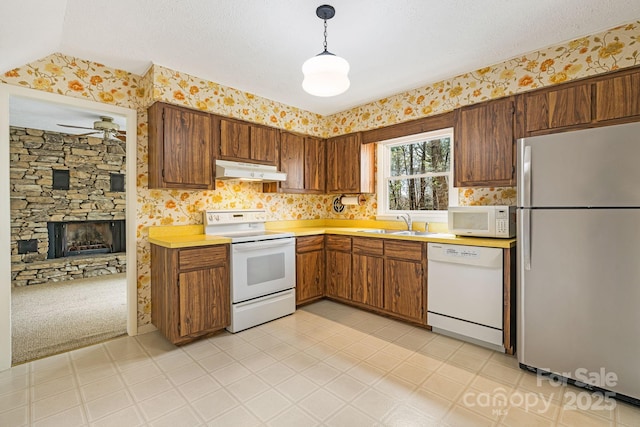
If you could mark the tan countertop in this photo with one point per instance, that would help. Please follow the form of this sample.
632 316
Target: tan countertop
184 236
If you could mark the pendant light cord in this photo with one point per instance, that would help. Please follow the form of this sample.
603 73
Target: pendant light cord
325 35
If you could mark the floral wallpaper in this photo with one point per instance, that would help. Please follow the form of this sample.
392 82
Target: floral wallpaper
587 56
59 73
78 78
487 196
182 89
583 57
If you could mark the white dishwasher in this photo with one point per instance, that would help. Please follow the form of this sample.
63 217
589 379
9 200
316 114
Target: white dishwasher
464 296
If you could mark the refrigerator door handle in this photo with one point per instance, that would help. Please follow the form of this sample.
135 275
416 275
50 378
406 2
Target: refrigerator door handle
526 238
526 172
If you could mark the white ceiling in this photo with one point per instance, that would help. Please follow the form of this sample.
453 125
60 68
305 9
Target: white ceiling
258 46
35 114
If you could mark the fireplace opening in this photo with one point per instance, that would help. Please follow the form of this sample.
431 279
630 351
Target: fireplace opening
85 237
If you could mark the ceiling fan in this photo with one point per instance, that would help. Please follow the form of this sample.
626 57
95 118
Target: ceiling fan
109 129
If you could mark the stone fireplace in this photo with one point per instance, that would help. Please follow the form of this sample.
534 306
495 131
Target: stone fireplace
67 206
71 238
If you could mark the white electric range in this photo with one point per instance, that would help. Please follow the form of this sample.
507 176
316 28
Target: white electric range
263 266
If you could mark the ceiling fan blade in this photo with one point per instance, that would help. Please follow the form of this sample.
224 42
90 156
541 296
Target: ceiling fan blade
75 127
88 133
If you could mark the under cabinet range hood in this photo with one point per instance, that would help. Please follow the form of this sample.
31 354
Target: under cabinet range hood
248 171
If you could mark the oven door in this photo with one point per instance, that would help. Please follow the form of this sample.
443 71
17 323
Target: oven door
262 268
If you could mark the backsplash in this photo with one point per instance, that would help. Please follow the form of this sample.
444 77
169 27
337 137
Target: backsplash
185 207
487 196
599 53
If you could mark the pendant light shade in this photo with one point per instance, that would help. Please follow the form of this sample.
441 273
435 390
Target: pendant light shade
325 74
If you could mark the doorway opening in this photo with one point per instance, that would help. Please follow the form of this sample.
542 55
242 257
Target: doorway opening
110 249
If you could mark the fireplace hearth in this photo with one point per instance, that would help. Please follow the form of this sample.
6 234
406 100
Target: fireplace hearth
73 238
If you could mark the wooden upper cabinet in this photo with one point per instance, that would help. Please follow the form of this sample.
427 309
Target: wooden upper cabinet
303 159
234 140
292 161
557 107
485 144
350 165
264 145
315 165
245 142
617 97
597 101
180 148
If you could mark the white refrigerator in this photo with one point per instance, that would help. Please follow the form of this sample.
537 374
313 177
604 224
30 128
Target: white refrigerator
578 263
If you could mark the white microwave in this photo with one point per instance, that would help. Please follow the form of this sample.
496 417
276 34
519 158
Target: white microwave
483 221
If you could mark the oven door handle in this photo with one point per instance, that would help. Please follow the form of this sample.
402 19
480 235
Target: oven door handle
267 244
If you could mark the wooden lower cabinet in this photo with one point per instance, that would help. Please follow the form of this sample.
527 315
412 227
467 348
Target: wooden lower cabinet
338 281
338 267
405 280
387 276
309 268
190 294
368 271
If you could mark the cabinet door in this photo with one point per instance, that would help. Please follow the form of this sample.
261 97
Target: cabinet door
315 165
264 145
618 97
484 145
367 280
338 275
292 161
550 109
204 300
343 156
234 140
404 289
180 148
310 276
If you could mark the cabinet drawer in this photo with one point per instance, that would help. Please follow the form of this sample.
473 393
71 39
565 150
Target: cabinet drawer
403 250
338 243
368 246
310 243
203 257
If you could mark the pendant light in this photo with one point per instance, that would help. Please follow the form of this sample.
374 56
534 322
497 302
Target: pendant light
325 74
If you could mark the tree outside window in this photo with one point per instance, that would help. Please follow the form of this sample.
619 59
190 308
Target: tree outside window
416 172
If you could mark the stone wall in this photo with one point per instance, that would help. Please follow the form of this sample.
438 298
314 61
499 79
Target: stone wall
90 162
77 267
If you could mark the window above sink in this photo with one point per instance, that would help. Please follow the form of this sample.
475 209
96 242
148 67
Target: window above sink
415 176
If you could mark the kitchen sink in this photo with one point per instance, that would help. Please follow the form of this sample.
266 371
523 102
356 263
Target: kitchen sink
398 232
412 233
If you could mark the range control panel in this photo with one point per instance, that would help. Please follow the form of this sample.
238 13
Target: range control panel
241 216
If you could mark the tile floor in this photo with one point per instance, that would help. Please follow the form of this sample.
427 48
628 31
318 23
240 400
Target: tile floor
328 364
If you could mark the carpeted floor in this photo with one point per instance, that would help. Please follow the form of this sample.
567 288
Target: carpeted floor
51 318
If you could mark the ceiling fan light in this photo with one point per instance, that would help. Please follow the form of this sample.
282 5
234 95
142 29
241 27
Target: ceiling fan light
325 75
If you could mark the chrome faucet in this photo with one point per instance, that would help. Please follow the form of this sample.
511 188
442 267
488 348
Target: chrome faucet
407 219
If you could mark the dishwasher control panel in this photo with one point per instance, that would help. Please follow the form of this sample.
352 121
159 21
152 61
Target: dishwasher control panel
463 252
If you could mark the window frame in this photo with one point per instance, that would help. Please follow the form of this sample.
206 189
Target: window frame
383 162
